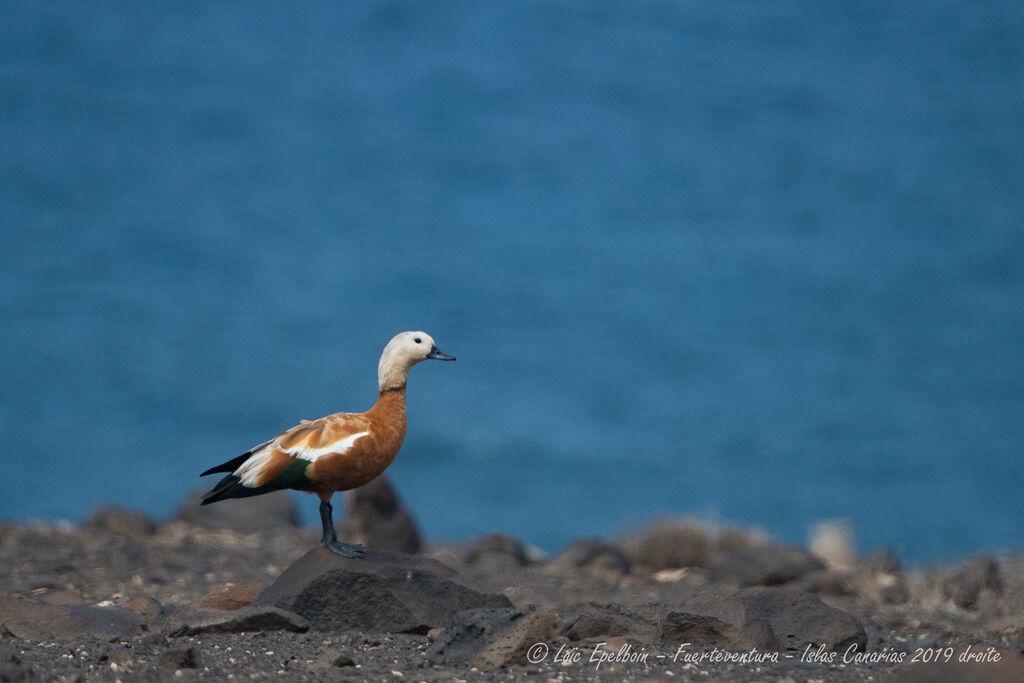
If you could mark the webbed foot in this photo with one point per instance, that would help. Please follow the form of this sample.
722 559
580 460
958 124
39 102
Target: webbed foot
352 550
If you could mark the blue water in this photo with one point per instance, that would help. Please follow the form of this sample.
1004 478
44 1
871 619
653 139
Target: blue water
761 263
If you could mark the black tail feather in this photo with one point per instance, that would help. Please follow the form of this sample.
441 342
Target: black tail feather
234 463
230 487
229 466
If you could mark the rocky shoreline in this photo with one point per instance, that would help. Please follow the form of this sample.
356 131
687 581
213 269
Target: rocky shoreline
239 591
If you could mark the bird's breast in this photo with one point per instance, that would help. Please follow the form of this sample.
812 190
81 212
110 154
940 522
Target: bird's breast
366 458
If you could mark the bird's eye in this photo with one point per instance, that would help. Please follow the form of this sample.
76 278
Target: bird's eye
418 340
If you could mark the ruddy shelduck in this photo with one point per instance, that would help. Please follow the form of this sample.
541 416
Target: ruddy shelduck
335 453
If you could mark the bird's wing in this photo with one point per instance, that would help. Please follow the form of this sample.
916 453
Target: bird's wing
282 462
300 446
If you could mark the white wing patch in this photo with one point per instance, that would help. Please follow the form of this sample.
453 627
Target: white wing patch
250 469
249 473
311 454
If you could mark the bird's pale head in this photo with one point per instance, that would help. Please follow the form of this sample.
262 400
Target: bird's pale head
405 350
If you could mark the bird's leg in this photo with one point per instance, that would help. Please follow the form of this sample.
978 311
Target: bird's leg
330 539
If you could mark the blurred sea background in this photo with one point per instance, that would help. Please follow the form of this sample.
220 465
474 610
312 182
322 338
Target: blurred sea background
759 263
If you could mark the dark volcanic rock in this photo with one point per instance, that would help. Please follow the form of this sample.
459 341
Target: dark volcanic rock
341 661
830 582
763 565
52 575
966 585
712 617
592 553
765 618
149 610
376 518
118 654
242 514
498 549
769 619
232 596
16 672
181 658
381 592
151 642
120 521
591 621
486 638
243 620
33 620
799 619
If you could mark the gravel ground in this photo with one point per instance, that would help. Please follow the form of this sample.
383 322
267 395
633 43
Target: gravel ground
154 572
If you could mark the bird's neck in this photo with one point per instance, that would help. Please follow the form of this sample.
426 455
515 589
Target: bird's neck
391 375
390 405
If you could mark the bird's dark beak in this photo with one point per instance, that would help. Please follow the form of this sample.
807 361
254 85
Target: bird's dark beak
437 354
